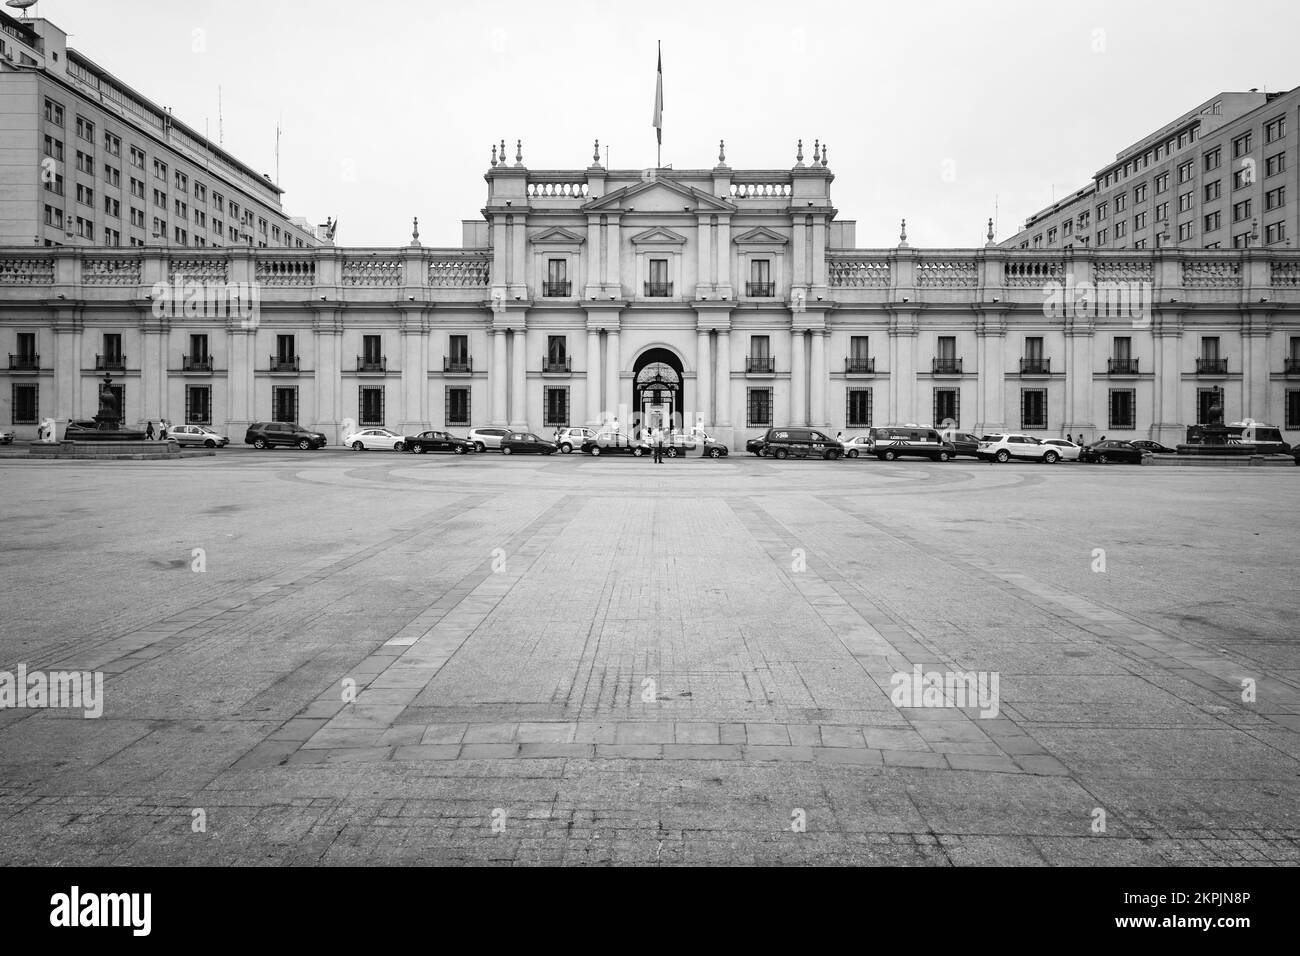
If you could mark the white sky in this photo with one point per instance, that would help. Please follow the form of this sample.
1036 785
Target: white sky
931 108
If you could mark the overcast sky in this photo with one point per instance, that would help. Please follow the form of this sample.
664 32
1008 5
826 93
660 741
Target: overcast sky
932 108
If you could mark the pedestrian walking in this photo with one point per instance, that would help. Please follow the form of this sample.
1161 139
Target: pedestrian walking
162 429
659 445
148 432
1069 439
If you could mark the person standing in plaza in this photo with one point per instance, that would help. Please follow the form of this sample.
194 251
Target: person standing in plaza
162 429
148 432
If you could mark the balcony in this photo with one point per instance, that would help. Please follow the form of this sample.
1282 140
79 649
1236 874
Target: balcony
1291 368
557 290
283 363
562 367
1035 366
946 366
370 365
110 363
1122 366
459 366
24 363
859 365
760 365
196 363
760 290
658 290
1211 366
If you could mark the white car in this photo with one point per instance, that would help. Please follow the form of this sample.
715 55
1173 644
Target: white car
197 435
381 438
488 437
1003 448
6 438
858 446
571 439
1068 449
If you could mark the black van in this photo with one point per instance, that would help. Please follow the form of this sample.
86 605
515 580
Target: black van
800 443
911 441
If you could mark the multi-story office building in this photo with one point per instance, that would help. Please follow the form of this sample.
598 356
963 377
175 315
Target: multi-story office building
88 161
1221 176
729 297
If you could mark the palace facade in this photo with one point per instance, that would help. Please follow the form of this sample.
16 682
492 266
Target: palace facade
729 297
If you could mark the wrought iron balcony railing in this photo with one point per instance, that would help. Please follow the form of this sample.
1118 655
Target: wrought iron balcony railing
463 366
553 290
1211 366
946 366
760 290
196 363
1122 366
762 364
562 367
859 365
1035 366
658 290
281 363
110 363
24 363
372 364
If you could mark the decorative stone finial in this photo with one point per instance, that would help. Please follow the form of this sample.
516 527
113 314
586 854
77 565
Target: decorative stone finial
494 154
990 229
798 157
826 154
722 153
902 232
817 151
595 154
503 152
519 152
415 229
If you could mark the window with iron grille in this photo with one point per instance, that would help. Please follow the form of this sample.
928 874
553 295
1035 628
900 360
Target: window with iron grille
284 403
759 407
947 407
457 406
198 404
1123 403
26 405
371 401
1292 408
1033 408
557 407
858 413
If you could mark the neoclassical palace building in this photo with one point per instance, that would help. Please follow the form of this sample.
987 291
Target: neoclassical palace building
729 297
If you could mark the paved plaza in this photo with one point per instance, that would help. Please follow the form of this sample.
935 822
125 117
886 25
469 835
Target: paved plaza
336 658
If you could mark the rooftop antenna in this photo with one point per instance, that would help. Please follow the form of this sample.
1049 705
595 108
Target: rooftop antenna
277 150
221 135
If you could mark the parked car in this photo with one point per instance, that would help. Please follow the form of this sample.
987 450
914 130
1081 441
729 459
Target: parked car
756 446
485 438
1003 448
1069 450
426 442
615 443
197 435
1104 452
910 441
6 438
965 443
269 434
1154 447
678 444
526 443
791 442
571 439
369 438
857 446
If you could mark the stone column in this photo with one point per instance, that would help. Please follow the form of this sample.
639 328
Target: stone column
415 374
240 408
612 365
1255 368
497 377
154 334
817 374
723 398
703 380
1170 424
798 378
593 376
329 347
519 380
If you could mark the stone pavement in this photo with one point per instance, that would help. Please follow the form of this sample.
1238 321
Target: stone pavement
387 659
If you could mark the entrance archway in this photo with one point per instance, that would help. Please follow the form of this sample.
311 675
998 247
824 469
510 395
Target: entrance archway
657 380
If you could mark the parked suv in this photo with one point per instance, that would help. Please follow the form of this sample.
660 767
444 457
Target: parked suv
1002 448
571 439
485 438
268 434
800 443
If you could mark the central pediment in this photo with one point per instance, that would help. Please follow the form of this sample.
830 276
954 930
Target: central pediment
659 195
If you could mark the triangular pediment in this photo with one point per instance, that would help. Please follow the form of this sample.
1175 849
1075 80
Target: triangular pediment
659 234
558 235
658 195
760 236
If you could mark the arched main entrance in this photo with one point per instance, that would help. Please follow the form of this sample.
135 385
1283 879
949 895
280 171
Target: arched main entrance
657 379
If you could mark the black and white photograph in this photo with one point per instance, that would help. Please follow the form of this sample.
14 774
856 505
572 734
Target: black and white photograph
608 435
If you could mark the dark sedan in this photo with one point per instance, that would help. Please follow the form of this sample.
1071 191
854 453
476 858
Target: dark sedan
755 446
1105 452
610 443
1155 448
526 443
426 442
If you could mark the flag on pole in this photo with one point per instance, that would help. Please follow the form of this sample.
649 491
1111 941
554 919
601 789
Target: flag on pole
659 100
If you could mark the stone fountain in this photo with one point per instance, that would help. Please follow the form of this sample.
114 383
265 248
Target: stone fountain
104 437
